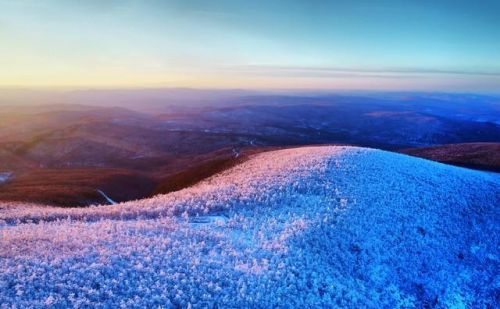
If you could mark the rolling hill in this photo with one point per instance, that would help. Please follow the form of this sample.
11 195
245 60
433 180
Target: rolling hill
70 151
303 227
484 156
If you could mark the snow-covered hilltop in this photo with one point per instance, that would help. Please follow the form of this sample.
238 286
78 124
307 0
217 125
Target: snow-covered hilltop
313 226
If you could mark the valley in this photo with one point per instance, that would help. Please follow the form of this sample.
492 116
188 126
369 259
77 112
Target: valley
64 154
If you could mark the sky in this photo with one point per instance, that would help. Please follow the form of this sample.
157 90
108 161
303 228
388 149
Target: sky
269 44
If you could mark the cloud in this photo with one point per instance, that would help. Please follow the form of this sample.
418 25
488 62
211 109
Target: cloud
334 72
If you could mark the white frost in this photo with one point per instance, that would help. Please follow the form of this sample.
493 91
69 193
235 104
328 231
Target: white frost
106 197
4 177
305 227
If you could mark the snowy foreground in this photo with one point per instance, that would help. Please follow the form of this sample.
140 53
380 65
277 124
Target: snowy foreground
305 227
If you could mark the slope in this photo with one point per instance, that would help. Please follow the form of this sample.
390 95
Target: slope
312 226
484 156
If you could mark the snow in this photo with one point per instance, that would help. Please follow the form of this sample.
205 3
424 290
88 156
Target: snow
236 152
304 227
4 177
108 199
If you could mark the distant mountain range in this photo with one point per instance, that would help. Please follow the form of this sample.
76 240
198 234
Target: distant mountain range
64 153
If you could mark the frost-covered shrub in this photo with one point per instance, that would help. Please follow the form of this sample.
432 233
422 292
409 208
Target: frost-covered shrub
305 227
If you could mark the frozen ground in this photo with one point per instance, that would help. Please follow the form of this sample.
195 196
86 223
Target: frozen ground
305 227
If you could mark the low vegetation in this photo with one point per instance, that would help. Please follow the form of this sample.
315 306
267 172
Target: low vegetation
305 227
483 156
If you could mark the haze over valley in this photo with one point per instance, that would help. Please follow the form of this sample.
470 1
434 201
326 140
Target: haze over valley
250 154
67 153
